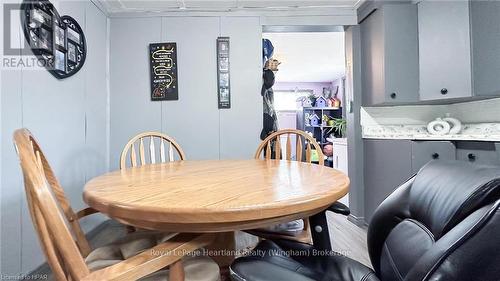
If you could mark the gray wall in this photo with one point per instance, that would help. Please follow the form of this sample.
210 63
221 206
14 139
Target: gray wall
203 131
354 140
69 119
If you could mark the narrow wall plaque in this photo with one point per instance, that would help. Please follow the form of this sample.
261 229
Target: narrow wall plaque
163 62
223 83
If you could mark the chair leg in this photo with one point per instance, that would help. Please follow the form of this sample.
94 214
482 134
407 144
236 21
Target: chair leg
176 271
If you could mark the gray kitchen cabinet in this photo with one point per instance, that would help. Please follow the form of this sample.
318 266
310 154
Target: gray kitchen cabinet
387 164
444 49
486 153
485 34
424 151
389 54
458 49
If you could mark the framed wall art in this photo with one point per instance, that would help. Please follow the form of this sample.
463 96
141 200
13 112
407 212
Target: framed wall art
57 40
163 64
223 81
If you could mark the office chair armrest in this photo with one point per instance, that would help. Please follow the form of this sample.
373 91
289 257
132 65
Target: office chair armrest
339 208
319 226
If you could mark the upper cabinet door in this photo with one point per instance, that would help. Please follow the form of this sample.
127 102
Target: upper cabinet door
389 55
372 42
444 50
485 34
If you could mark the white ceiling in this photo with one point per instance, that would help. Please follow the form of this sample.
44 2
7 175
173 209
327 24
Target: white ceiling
159 6
309 57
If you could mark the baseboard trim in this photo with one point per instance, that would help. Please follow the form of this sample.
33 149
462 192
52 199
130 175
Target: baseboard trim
358 221
44 269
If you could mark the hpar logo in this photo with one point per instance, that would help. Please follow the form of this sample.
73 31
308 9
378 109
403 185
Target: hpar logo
16 51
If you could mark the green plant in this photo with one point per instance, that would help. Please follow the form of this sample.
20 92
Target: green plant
339 125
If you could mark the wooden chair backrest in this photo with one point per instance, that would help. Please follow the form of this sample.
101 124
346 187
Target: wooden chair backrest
129 151
265 146
55 222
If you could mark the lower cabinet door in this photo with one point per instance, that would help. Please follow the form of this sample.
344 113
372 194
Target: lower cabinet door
485 153
425 151
387 165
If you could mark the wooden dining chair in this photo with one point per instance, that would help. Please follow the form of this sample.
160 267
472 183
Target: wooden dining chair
271 149
147 150
156 144
142 254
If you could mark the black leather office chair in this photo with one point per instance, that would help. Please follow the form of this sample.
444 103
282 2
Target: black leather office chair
442 224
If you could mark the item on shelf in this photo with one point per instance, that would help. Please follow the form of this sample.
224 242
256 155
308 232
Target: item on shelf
337 126
314 120
335 101
327 92
330 138
328 150
325 119
307 102
314 155
320 102
313 98
307 121
455 124
438 127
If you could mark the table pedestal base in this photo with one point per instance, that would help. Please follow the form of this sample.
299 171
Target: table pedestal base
223 252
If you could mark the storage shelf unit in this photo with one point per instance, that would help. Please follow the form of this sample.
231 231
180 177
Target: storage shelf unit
319 132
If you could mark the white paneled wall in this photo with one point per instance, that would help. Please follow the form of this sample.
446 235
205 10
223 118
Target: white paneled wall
203 131
131 109
193 120
241 125
69 119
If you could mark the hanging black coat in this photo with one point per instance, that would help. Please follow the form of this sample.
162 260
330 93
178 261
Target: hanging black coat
270 120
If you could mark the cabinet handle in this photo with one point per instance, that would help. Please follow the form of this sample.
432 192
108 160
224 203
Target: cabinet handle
472 157
393 95
435 156
444 91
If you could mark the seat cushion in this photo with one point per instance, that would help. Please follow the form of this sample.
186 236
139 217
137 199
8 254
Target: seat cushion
297 262
196 267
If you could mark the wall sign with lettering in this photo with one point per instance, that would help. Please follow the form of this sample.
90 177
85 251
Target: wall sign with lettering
223 83
163 61
56 40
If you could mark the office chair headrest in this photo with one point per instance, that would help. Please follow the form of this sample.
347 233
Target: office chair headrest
445 192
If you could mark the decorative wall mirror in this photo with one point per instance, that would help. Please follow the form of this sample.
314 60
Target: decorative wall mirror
58 41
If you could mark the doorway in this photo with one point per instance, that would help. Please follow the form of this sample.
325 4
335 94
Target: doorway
309 87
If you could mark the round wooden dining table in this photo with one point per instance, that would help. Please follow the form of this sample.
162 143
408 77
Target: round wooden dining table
215 195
